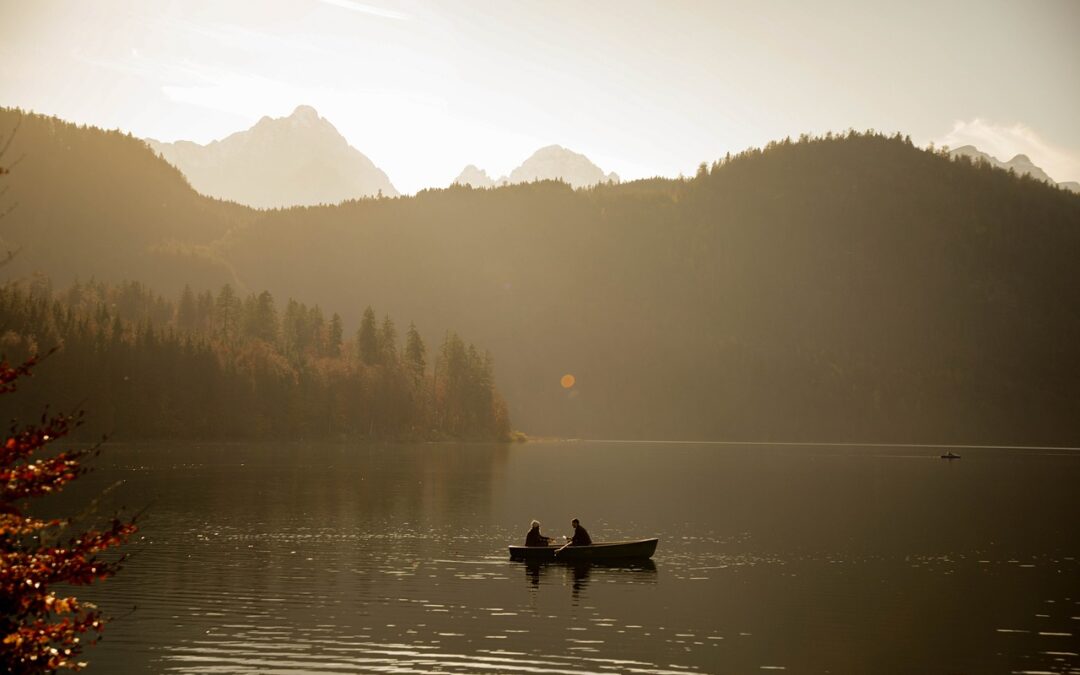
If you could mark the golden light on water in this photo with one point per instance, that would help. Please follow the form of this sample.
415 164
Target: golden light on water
567 381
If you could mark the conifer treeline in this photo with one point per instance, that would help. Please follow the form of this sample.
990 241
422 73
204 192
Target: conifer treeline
223 366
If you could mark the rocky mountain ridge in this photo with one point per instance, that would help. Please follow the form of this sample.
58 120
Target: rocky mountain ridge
299 160
1021 164
552 162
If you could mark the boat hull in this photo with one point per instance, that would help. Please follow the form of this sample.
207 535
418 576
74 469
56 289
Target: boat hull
616 550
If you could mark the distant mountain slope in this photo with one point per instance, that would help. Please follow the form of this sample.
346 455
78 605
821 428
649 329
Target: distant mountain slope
552 162
86 202
474 177
298 160
1021 164
850 288
555 162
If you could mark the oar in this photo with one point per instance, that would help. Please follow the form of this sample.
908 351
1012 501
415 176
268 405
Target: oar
557 552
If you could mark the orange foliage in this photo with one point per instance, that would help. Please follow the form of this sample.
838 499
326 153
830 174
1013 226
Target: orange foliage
39 630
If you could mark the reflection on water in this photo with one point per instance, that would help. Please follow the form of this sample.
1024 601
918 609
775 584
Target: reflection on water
341 559
613 571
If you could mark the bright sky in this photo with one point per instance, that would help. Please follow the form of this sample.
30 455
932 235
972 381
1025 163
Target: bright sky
424 88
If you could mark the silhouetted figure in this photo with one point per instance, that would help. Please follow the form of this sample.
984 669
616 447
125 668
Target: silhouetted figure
581 537
534 538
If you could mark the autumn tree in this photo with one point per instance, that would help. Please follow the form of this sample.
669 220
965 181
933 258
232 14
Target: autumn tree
41 631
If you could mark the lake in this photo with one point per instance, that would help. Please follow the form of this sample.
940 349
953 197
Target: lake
321 558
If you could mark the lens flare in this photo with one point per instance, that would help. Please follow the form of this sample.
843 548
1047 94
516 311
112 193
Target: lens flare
567 381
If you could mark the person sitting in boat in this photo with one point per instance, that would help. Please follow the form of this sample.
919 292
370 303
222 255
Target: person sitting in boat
534 538
581 536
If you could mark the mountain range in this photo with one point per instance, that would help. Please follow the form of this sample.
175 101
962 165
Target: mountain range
299 160
552 162
302 160
1021 164
852 288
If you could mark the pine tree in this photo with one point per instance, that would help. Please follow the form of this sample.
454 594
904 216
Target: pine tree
187 318
204 310
415 354
293 331
367 339
335 336
388 342
264 322
227 309
315 331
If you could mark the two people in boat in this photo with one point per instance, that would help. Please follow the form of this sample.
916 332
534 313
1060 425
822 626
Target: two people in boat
581 536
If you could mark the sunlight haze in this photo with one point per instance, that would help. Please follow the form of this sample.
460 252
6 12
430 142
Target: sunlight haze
426 88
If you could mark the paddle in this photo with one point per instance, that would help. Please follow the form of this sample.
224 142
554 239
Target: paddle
559 550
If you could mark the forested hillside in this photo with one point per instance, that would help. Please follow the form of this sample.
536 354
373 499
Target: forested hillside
82 202
840 288
219 366
852 288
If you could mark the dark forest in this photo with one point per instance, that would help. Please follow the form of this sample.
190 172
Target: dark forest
224 367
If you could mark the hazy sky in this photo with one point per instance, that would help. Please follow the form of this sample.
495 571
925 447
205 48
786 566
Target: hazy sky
424 88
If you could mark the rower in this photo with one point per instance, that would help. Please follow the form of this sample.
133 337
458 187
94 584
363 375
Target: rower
581 536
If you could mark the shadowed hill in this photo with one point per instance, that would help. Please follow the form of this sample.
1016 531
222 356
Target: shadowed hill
88 202
848 288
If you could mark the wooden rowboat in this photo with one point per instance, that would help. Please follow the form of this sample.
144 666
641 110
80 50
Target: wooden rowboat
612 550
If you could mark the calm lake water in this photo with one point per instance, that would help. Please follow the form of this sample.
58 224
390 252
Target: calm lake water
392 558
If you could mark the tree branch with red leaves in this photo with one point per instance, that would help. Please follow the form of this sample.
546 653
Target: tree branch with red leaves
41 631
